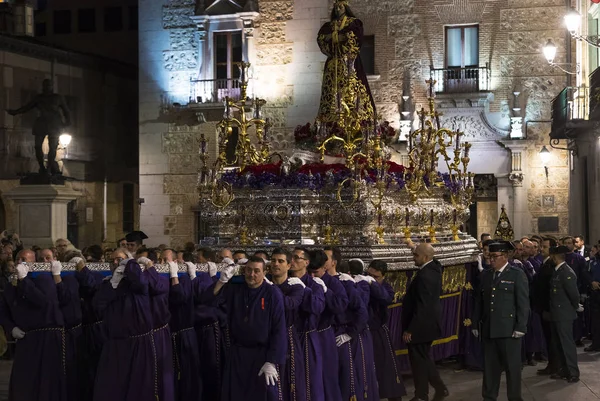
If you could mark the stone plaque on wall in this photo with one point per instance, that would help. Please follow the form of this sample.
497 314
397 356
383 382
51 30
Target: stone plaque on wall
547 200
548 224
35 221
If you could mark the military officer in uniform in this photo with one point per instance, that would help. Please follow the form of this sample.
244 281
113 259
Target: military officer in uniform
500 318
564 304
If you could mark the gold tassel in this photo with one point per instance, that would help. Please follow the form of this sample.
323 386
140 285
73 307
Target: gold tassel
178 375
353 398
366 396
397 380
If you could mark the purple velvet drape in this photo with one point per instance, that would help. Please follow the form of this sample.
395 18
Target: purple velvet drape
456 338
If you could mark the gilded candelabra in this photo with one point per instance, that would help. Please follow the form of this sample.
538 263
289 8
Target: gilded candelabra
246 153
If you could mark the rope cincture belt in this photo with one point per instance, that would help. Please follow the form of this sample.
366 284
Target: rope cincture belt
151 335
175 356
63 343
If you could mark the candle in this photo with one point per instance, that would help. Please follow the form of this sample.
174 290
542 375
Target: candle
454 216
457 140
407 218
379 218
431 218
203 144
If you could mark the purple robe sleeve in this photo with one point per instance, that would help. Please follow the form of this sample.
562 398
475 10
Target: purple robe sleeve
294 298
138 281
156 285
30 292
336 298
381 295
6 319
200 285
278 334
313 301
177 295
104 296
64 294
364 291
357 310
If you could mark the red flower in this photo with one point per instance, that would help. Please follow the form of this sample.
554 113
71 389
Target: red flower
395 167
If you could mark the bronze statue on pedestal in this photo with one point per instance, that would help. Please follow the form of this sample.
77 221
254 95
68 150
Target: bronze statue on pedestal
54 116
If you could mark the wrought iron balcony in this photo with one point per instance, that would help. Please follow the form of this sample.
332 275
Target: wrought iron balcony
571 112
462 80
214 90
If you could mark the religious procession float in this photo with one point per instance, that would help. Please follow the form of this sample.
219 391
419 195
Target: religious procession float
340 188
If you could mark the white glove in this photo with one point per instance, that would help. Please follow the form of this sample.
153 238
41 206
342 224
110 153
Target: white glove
295 281
346 277
517 334
342 339
55 268
580 309
242 261
117 276
475 332
268 281
321 283
22 271
76 260
227 274
212 269
173 269
370 279
270 372
144 261
191 269
228 261
17 333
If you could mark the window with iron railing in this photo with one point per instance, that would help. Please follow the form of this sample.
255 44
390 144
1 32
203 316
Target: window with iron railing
462 72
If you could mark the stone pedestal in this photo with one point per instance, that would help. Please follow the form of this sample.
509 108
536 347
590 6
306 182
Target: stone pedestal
41 212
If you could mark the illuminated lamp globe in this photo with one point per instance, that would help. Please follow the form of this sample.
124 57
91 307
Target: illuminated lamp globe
545 155
573 20
550 51
64 140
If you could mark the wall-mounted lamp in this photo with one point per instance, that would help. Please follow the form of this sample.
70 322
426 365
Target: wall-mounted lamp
573 22
64 140
549 51
545 156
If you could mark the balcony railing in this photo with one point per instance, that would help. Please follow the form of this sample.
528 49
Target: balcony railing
461 80
570 109
214 90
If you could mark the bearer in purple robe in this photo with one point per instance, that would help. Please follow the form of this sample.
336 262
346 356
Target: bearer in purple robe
30 314
347 327
127 370
210 324
93 329
185 346
336 303
312 306
158 289
70 306
386 361
364 356
293 381
256 318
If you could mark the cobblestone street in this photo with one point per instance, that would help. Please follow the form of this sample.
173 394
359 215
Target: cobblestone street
466 385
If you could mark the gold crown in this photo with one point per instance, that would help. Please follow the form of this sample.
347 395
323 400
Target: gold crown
344 2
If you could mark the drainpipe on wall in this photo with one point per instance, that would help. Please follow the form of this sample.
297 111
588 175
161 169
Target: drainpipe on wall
105 212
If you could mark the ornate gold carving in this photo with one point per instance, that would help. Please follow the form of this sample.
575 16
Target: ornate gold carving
453 278
467 322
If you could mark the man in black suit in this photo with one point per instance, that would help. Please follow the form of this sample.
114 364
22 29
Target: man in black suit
580 247
421 314
541 302
501 310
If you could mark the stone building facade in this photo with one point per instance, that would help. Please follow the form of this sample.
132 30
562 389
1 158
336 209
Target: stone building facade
101 161
500 98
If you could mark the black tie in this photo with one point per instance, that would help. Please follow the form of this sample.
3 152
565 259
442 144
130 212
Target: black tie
496 275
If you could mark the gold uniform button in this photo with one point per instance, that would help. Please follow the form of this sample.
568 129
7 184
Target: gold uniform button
511 315
494 289
492 309
492 296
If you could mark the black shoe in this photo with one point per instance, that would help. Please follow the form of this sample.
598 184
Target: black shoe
531 362
572 379
559 376
546 371
579 343
540 357
440 395
591 349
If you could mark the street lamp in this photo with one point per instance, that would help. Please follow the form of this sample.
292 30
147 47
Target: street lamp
65 140
545 156
549 51
573 22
